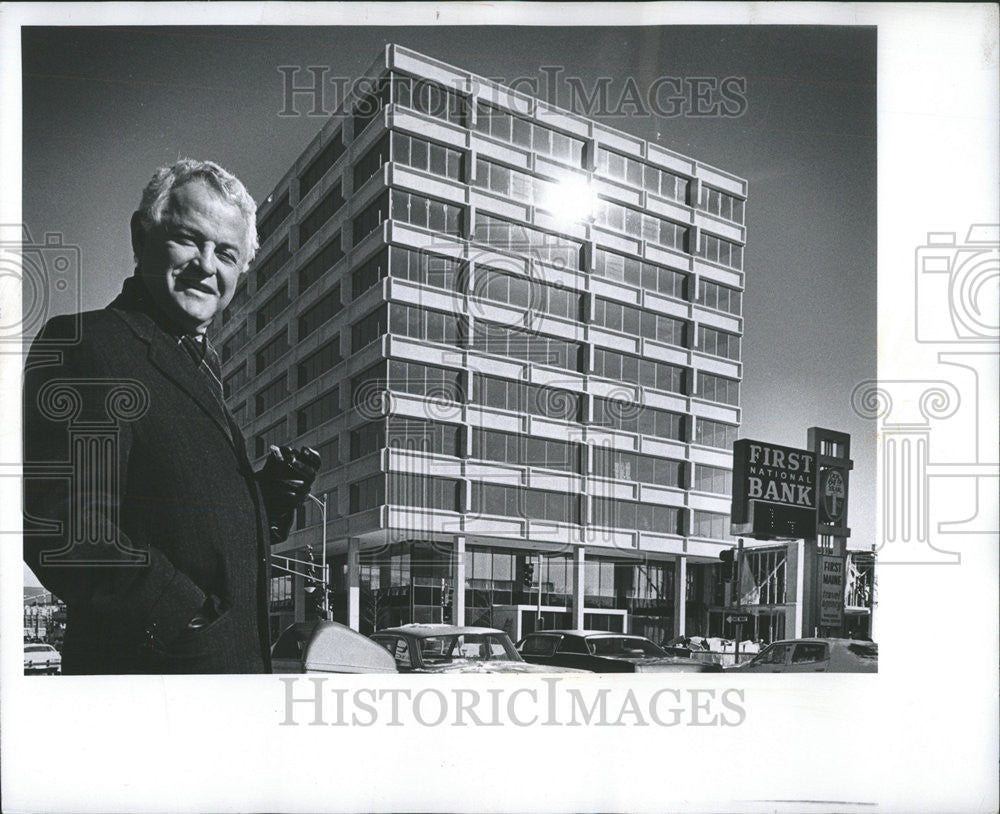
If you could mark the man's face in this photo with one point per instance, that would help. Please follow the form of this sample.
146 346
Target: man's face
190 262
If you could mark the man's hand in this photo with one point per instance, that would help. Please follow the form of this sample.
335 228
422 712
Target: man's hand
285 481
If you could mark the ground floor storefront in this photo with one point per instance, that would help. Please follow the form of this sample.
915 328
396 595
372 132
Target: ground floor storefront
515 589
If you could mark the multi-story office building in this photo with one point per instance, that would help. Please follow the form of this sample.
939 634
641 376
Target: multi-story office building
513 333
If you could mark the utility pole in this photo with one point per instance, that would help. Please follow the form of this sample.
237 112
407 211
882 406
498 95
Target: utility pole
538 617
322 567
739 594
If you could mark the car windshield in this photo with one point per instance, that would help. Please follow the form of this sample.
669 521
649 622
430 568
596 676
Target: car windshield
539 645
468 647
37 648
864 650
629 646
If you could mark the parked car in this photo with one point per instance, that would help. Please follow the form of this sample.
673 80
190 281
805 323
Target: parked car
327 647
814 656
432 648
41 658
603 652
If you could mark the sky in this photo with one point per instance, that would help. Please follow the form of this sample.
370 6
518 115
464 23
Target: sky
104 107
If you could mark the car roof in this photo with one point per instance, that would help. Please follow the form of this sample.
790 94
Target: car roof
827 640
426 629
585 633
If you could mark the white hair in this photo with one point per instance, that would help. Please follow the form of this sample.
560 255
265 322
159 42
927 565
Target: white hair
230 188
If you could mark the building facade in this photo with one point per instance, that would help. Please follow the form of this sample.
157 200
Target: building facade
513 333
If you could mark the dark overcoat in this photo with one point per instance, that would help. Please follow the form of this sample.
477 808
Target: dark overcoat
140 502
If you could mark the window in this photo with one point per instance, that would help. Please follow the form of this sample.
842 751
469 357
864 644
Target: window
320 361
436 437
369 273
320 263
371 218
809 652
504 394
371 162
720 251
275 216
367 386
240 413
369 328
638 322
720 297
500 124
637 173
370 103
267 268
426 268
714 433
768 570
631 417
516 501
235 380
527 292
274 306
237 303
429 98
511 183
235 342
718 388
325 309
710 524
425 380
271 352
321 163
640 274
718 343
367 494
516 343
367 439
720 203
610 463
320 214
418 323
274 435
523 450
425 492
640 225
713 479
633 369
625 514
563 252
417 210
775 654
270 395
329 453
318 410
427 156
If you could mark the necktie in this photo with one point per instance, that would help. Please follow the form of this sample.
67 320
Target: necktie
207 360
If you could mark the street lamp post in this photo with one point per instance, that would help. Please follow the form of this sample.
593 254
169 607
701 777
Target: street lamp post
326 593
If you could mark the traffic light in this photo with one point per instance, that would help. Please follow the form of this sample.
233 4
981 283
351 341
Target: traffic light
728 557
527 573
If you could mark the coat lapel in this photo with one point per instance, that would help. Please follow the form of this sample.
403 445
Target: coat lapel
172 360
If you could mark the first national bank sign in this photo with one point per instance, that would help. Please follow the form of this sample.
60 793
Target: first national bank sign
774 491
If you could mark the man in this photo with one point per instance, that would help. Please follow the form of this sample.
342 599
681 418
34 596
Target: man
161 536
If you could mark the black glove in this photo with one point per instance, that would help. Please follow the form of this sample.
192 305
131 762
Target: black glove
285 481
